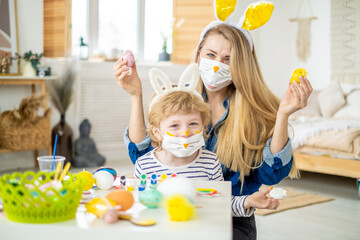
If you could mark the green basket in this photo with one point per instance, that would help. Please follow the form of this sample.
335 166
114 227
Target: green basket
25 200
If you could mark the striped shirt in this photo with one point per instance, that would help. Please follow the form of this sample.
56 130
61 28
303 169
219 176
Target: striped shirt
205 166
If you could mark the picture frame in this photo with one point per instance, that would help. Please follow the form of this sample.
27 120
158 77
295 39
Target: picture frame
9 42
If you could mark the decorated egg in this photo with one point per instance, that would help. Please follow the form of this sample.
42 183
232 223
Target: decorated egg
107 169
104 180
151 198
129 56
300 72
89 180
98 206
111 216
122 198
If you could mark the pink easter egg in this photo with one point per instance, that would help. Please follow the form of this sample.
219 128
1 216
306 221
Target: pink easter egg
129 56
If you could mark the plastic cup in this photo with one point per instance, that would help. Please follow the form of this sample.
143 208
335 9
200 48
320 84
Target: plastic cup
48 164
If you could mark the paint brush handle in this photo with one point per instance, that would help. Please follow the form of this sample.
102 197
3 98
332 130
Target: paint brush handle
65 171
57 172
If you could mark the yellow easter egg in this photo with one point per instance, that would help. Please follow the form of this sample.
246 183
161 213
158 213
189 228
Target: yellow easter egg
257 14
300 72
98 206
88 179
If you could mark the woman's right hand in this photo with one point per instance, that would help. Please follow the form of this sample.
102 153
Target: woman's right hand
261 201
130 83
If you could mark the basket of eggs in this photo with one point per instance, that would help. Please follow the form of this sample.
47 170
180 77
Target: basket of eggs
36 198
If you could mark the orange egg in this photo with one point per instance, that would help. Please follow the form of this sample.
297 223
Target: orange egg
122 197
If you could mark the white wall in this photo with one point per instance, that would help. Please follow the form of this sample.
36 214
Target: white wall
275 45
30 37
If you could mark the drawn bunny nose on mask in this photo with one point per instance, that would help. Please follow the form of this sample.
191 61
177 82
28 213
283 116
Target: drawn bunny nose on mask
215 75
180 146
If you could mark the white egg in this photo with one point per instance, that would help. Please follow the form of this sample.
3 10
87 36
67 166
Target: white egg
178 185
104 180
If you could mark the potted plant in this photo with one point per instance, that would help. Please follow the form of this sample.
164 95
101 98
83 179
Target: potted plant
31 61
166 36
61 93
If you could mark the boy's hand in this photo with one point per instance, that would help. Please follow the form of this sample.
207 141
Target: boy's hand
261 201
130 83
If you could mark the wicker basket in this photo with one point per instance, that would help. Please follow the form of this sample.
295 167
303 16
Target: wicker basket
26 137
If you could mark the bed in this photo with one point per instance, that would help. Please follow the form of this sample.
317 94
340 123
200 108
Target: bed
326 134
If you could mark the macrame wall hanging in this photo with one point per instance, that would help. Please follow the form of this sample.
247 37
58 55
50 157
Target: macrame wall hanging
303 39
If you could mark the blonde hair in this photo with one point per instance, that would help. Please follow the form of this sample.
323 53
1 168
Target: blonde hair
174 103
253 107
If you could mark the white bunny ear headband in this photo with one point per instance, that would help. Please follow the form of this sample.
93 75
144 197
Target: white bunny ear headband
187 82
255 15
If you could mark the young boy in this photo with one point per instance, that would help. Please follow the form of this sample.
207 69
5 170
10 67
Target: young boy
177 117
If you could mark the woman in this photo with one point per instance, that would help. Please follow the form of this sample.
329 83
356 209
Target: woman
249 125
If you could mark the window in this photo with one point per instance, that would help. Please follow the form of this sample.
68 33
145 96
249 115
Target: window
112 26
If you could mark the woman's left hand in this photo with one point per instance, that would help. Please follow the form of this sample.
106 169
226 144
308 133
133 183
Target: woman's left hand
296 97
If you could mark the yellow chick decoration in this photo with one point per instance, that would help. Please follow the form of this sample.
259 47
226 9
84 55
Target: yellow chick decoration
257 15
300 72
224 8
179 208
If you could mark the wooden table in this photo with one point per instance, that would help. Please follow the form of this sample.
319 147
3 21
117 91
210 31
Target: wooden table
213 221
31 81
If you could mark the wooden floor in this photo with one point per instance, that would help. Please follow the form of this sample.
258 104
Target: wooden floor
338 219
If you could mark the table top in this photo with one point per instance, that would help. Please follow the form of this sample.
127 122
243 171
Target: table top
213 221
20 77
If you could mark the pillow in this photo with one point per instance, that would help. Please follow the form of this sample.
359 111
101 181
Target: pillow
331 99
352 108
347 88
312 109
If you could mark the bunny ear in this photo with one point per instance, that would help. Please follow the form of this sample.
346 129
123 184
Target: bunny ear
224 8
192 72
156 74
256 15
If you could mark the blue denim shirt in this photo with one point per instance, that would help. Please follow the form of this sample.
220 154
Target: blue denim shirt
274 168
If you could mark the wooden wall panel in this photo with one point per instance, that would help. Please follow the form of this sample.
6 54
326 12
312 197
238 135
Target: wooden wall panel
197 14
57 28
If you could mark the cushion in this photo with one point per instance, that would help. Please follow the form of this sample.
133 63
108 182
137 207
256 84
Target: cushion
347 88
352 108
312 109
331 99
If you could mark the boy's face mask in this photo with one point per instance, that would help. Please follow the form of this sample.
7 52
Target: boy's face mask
182 147
215 75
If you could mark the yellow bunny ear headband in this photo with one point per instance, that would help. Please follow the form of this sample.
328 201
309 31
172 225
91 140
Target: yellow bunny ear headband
255 15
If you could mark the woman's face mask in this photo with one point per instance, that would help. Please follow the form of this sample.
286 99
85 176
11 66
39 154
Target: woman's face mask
180 146
215 75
